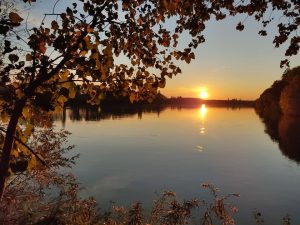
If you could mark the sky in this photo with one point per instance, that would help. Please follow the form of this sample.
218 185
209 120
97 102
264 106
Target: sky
230 64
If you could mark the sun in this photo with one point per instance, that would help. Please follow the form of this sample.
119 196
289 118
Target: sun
203 93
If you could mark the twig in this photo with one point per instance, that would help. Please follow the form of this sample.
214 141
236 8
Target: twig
25 145
55 6
31 150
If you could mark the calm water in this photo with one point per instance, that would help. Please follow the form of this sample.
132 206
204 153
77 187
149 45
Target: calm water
129 156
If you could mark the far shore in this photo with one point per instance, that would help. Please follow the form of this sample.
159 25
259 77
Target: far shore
162 101
221 103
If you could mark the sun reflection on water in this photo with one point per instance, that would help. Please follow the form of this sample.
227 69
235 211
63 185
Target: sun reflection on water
202 112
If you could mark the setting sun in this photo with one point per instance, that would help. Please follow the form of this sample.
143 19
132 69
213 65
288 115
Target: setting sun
203 93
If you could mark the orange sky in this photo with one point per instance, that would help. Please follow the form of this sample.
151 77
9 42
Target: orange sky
231 64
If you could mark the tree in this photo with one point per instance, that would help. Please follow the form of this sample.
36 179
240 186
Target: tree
86 43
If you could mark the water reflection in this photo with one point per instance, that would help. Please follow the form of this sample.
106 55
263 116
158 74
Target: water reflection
285 130
92 113
96 113
289 137
135 158
199 148
203 112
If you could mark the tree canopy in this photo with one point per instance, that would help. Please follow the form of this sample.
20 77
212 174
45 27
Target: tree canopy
84 44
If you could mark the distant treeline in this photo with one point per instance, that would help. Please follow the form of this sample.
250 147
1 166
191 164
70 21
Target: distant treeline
111 100
234 103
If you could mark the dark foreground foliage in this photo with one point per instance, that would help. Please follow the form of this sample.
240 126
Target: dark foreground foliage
28 206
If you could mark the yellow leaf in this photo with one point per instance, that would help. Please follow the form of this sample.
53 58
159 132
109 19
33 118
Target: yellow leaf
62 99
171 5
78 33
89 29
15 153
80 67
140 21
95 55
24 150
125 5
109 62
32 163
58 109
42 46
102 86
28 57
23 139
28 131
19 93
103 72
89 45
109 56
132 97
72 91
15 84
98 65
15 18
66 84
108 50
101 97
26 112
54 25
64 75
83 53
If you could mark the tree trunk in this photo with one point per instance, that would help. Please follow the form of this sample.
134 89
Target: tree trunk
8 143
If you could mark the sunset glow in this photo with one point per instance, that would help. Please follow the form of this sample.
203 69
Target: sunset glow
203 93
